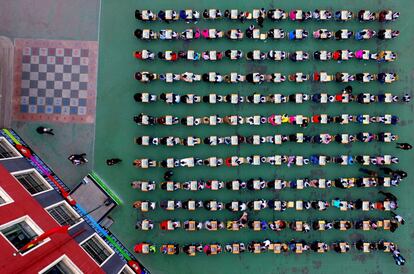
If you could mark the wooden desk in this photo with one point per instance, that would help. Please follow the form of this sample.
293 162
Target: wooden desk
235 249
343 247
299 205
321 225
214 249
387 224
366 225
320 248
365 205
257 226
342 225
171 249
145 248
257 248
213 225
170 205
299 248
299 226
192 250
366 248
191 226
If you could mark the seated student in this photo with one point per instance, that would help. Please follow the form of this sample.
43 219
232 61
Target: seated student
212 225
145 97
212 249
170 98
277 225
235 248
257 205
319 247
233 54
300 15
192 205
170 249
190 16
144 55
143 185
210 34
262 225
298 34
340 247
235 206
169 224
213 205
191 225
235 184
298 56
212 14
212 55
145 248
145 15
388 15
322 55
366 15
322 15
170 185
193 185
322 34
144 224
144 205
385 34
276 34
343 34
188 249
145 77
276 14
168 15
343 15
170 204
145 34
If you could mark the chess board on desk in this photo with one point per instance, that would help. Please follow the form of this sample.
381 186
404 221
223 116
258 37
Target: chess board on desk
55 80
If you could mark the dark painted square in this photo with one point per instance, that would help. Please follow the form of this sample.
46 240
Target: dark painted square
73 110
49 101
25 92
33 84
59 60
82 102
34 67
67 68
66 85
42 75
43 60
83 86
58 76
41 92
24 108
50 84
51 52
25 75
68 52
76 61
58 93
65 101
84 53
50 68
40 109
74 94
26 59
75 77
35 51
57 109
32 100
83 69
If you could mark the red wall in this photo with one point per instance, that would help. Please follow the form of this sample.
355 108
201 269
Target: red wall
25 204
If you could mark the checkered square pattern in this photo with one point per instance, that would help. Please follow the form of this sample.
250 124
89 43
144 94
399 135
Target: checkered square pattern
57 80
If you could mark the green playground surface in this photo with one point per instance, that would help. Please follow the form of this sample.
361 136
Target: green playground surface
115 132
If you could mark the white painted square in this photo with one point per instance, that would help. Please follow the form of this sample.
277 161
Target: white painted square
75 68
59 68
67 60
50 76
59 52
58 84
41 84
42 68
66 110
43 51
32 109
51 60
83 77
34 59
27 51
74 85
41 101
84 61
67 77
25 83
57 101
34 76
66 93
50 93
24 100
26 67
32 92
81 110
76 53
83 94
74 102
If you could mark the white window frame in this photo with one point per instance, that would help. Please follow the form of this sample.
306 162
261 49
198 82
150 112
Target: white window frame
103 243
4 141
38 175
32 225
128 269
6 197
69 208
71 265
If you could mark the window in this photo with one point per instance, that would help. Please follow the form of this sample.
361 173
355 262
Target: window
7 150
63 214
4 198
20 232
97 249
63 265
32 181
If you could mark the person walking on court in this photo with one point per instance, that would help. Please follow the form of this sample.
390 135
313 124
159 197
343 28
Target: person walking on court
78 159
45 130
113 161
404 146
